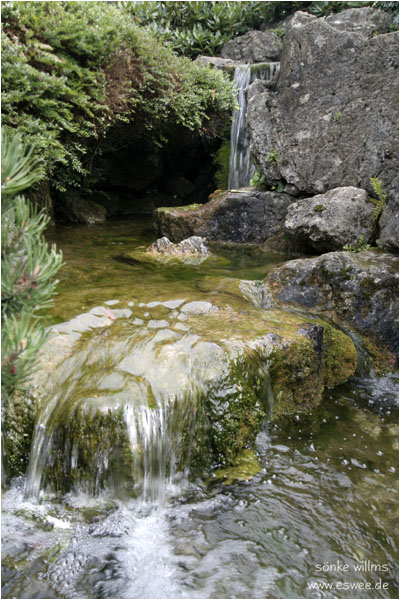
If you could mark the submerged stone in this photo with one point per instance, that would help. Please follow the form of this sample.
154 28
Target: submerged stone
244 467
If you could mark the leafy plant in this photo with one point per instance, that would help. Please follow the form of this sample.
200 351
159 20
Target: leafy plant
273 156
258 179
361 245
28 267
337 116
380 201
73 70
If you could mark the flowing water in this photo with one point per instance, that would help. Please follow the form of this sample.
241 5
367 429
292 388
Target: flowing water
319 510
240 165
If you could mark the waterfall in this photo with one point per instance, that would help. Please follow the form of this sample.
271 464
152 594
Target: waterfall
240 166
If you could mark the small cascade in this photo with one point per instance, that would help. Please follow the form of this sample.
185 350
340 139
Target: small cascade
240 166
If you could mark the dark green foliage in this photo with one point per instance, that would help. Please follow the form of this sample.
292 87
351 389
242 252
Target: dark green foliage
321 9
28 267
202 28
71 70
195 28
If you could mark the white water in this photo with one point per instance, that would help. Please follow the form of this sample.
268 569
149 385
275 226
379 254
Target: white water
240 165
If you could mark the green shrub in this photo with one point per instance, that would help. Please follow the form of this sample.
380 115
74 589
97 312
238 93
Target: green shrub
71 70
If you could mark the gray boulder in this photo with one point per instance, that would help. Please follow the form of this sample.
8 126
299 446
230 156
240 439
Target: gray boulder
299 19
365 20
331 119
253 47
328 221
358 288
246 216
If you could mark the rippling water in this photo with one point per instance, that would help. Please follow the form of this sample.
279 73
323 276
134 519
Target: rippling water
322 511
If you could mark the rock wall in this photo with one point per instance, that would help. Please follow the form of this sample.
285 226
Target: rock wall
331 119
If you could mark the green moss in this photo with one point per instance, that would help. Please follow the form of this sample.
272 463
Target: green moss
89 447
235 409
319 208
221 162
339 357
18 424
186 208
299 372
244 467
369 286
383 361
295 378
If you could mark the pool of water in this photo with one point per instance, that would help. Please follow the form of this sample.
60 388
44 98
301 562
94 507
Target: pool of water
319 520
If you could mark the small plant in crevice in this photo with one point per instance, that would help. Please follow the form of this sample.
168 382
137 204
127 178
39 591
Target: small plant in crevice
258 180
378 202
337 115
279 187
280 32
273 156
359 247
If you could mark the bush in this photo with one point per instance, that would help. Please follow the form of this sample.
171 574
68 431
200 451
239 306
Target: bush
71 70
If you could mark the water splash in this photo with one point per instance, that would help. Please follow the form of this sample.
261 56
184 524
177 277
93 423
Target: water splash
240 165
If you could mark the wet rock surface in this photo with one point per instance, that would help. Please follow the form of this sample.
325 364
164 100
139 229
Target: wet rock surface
327 222
111 378
360 289
243 216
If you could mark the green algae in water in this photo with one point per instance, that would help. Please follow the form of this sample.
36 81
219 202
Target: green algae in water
94 271
244 467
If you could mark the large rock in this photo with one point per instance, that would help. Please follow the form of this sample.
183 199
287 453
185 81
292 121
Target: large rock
72 208
246 216
366 21
360 289
328 221
197 371
253 47
331 119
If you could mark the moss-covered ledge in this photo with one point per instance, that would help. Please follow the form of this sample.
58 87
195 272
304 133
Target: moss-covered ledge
322 357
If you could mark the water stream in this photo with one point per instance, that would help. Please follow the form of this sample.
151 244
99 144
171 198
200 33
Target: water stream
324 493
240 165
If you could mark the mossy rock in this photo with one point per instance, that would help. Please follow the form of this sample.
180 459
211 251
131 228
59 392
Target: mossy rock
324 357
18 424
244 467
